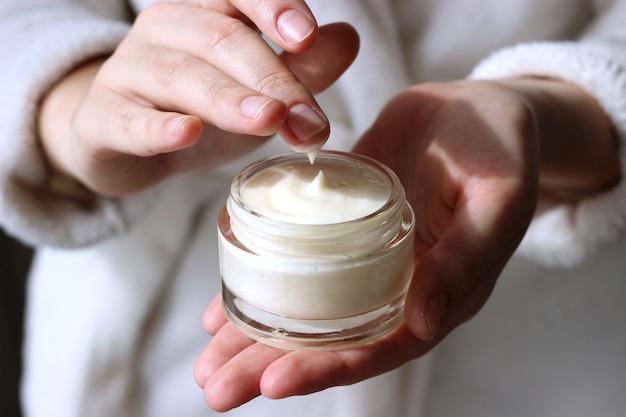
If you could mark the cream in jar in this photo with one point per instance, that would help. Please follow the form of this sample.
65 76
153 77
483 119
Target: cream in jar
316 256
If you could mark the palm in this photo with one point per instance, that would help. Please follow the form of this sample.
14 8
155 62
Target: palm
472 181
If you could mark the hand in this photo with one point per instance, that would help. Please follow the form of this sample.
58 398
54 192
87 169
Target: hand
121 125
468 160
234 369
475 157
472 157
468 156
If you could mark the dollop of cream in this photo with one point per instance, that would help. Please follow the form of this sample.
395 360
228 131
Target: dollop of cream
315 194
312 156
319 184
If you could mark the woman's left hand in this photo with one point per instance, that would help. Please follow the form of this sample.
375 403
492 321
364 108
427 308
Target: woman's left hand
474 157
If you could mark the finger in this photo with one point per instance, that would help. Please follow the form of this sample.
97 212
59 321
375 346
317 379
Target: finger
471 252
288 23
234 49
225 345
214 317
314 68
111 131
114 130
221 6
305 372
126 127
183 83
238 381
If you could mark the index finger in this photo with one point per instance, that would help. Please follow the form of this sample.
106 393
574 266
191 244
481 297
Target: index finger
290 24
224 61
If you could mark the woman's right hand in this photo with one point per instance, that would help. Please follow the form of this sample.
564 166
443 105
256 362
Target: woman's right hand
194 84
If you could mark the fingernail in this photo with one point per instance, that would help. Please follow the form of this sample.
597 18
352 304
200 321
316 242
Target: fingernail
435 312
305 122
174 124
253 106
294 27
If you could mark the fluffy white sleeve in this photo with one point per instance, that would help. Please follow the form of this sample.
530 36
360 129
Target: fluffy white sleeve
565 234
41 41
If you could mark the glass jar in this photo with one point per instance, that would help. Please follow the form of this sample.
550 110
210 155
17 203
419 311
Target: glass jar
316 256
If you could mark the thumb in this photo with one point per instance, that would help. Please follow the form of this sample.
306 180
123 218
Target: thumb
454 278
321 65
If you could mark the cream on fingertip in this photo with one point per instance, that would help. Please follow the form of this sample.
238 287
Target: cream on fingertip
312 155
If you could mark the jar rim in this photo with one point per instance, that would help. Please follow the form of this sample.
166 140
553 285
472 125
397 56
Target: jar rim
396 195
354 237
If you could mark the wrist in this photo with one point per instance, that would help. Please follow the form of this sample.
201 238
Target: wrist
577 141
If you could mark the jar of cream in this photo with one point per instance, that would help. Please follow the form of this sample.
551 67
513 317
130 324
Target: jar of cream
316 256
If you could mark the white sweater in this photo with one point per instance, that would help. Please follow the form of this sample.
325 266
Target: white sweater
118 289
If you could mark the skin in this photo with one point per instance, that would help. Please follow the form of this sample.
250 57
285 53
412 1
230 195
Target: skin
175 95
478 153
475 157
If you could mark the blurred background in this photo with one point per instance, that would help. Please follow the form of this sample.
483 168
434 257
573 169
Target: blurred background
14 262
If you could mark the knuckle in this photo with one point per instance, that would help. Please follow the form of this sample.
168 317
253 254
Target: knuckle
167 67
217 93
227 35
274 81
171 72
122 125
477 266
474 270
465 272
129 132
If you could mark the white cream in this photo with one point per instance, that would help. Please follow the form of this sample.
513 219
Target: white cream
312 156
317 242
318 290
312 194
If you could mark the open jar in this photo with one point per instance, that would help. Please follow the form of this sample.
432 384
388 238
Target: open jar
316 256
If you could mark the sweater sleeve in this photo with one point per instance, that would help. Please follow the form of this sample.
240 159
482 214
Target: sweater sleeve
565 234
42 41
